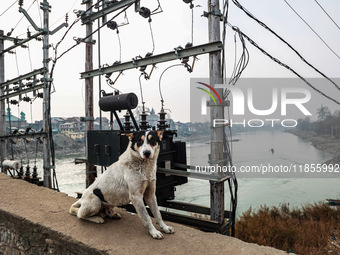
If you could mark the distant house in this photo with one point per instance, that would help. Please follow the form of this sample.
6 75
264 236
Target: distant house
68 127
15 122
72 130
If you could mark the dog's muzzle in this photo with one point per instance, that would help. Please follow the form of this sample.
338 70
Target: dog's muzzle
146 154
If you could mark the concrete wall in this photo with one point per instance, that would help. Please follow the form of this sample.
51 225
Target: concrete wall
19 236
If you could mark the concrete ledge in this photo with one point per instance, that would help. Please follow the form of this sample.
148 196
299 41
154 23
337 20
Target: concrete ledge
35 220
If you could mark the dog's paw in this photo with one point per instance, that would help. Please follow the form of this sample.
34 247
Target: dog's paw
156 234
168 229
116 215
97 219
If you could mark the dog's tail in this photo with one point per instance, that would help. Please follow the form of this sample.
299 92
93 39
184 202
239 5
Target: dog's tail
75 207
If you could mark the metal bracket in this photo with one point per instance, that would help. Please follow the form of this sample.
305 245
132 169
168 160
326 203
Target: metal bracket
215 12
85 119
226 103
111 8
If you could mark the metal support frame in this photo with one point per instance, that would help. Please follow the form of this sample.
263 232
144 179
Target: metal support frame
92 16
24 136
23 77
22 91
152 60
202 224
21 42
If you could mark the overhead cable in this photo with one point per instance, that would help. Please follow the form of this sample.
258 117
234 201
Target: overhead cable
284 41
327 14
282 64
312 29
8 8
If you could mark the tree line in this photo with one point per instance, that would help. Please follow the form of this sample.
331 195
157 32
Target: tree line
327 123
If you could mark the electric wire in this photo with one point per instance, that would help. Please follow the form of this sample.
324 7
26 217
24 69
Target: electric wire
39 13
22 17
224 34
120 47
312 29
29 56
249 14
152 38
8 8
141 90
241 64
16 61
160 79
282 64
62 17
327 14
192 25
104 24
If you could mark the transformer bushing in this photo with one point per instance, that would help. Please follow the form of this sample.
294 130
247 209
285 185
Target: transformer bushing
143 124
35 175
162 125
127 123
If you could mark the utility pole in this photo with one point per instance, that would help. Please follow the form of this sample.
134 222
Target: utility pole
216 112
2 102
90 169
46 101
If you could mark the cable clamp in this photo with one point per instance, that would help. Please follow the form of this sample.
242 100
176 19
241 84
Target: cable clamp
215 12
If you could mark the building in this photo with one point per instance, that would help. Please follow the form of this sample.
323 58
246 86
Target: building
16 123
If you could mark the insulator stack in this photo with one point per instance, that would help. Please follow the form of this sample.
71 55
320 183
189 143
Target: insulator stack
127 122
162 125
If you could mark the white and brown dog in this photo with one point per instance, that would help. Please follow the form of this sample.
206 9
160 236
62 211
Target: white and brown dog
130 179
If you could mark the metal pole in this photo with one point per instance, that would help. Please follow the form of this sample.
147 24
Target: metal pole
46 91
2 103
216 112
90 169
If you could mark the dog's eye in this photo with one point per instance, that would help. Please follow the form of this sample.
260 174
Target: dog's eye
152 142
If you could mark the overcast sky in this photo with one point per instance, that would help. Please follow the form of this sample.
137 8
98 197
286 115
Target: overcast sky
172 28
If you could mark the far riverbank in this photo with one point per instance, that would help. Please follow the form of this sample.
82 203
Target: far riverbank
325 143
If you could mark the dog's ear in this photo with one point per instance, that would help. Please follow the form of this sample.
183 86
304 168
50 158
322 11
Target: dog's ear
130 136
160 134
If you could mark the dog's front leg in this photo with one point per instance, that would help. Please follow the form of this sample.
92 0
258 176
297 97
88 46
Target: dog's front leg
138 203
151 200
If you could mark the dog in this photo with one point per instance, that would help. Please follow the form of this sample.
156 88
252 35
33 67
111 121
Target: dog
130 179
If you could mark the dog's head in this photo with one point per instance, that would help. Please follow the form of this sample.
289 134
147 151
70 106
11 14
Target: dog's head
145 143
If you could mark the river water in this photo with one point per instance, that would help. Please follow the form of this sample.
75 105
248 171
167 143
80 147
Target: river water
251 148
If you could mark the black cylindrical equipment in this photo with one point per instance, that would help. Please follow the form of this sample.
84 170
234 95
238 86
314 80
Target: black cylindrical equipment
118 102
